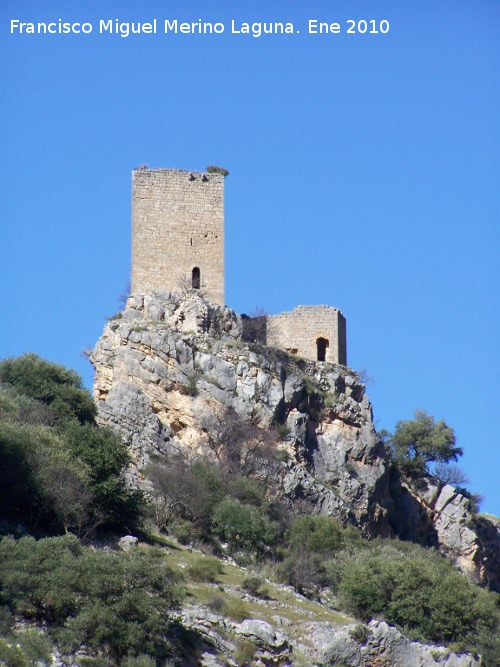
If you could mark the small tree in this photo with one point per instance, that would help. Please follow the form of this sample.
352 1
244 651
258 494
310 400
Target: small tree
244 527
316 534
422 440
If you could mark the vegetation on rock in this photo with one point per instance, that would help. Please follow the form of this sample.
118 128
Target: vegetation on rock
60 473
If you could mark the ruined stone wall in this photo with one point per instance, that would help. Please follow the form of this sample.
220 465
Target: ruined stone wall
177 225
298 331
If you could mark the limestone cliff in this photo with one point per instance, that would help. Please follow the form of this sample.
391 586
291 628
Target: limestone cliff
175 377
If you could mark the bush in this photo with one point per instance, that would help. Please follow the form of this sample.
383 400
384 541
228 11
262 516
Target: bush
141 660
245 652
247 490
205 569
244 527
217 604
237 610
416 590
116 603
36 646
58 470
185 493
12 655
41 481
191 388
317 534
283 431
304 571
360 633
254 585
51 384
212 169
106 456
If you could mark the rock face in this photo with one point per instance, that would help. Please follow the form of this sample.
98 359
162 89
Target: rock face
380 644
171 372
471 541
174 377
321 643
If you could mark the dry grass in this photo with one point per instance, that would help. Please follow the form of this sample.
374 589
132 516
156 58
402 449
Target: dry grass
228 589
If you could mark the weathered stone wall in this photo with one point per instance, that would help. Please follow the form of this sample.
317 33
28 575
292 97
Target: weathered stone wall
298 331
177 225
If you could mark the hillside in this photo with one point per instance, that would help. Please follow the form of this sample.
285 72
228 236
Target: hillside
239 510
177 376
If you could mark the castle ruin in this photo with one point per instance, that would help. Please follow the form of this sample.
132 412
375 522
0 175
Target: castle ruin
178 232
178 241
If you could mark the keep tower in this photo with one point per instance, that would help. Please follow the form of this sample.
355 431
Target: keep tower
178 231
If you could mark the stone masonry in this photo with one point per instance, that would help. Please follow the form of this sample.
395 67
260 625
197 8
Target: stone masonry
178 232
313 332
178 243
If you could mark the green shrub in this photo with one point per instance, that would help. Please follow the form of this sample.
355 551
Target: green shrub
416 590
304 571
106 456
244 527
212 169
283 431
183 531
488 645
6 621
245 652
311 386
58 470
191 388
26 648
360 633
12 655
211 478
334 398
217 604
116 603
282 455
140 660
51 384
205 569
254 585
248 491
62 478
237 610
36 646
318 534
243 558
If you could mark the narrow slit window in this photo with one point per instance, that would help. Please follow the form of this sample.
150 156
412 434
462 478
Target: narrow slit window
196 278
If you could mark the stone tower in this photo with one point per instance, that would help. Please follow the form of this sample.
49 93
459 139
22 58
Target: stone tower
178 232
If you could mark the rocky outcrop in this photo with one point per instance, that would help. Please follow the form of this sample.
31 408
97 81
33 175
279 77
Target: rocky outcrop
321 643
171 372
175 377
379 645
471 541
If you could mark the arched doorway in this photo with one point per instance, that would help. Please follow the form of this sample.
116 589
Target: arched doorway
321 345
196 278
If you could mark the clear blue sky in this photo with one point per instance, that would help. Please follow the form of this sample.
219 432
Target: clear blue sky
364 173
